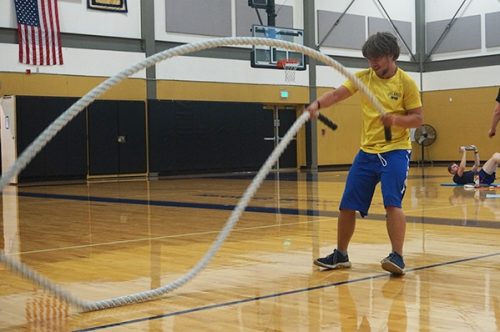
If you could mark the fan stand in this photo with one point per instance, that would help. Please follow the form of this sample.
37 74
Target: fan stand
425 139
422 157
422 153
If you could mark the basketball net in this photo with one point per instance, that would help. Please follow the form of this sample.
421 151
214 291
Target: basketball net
290 66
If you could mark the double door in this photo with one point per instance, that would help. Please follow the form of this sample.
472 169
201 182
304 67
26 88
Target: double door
117 138
278 121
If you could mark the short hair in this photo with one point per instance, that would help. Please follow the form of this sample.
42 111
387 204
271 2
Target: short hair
449 167
381 44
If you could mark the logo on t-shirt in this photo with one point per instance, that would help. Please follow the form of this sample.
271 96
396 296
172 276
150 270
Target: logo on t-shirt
394 95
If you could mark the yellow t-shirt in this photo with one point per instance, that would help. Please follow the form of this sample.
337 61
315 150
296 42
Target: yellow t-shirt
397 95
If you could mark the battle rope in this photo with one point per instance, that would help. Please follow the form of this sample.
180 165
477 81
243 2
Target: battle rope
31 151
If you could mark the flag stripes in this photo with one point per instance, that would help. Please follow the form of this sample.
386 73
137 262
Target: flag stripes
39 32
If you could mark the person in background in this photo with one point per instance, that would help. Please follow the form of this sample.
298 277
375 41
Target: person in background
378 160
476 175
496 117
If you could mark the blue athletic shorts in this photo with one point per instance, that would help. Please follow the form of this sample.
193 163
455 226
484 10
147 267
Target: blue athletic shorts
368 169
485 178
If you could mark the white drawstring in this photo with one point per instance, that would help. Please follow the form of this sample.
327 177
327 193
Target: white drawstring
382 160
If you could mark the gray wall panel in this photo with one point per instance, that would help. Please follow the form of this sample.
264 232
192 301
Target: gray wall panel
376 24
246 17
492 26
200 17
349 33
465 34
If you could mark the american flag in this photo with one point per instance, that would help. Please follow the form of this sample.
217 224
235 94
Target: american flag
38 31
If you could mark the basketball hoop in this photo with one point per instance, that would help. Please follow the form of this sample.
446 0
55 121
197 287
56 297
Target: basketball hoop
290 66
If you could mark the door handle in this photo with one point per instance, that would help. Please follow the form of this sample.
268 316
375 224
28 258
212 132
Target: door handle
122 139
279 138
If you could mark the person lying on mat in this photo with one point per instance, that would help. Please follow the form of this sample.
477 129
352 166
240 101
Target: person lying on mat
477 175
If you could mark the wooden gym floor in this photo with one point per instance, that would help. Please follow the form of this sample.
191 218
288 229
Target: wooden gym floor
106 239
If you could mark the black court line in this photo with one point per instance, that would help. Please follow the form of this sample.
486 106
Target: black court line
291 292
270 198
260 209
210 206
309 177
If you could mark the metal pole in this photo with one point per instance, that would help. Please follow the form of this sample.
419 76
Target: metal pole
420 38
148 41
311 126
276 125
271 13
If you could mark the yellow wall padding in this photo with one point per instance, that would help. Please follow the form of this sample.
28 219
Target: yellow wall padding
460 116
212 91
67 86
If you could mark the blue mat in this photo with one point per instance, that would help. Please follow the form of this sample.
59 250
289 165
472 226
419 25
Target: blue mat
461 185
492 195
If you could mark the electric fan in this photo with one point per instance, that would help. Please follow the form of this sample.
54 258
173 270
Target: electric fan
425 135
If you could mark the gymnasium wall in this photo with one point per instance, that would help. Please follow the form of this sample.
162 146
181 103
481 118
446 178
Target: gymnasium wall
361 19
461 117
459 101
460 68
459 83
474 32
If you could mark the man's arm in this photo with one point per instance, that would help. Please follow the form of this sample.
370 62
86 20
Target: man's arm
475 168
463 162
494 120
413 119
328 99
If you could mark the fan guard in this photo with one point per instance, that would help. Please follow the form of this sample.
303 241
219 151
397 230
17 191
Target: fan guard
425 135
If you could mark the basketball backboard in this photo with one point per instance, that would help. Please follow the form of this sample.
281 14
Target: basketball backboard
269 57
258 3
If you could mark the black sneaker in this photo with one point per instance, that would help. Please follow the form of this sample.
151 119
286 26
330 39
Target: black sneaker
333 261
394 263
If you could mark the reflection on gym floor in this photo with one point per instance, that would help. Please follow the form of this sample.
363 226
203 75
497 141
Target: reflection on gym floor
106 239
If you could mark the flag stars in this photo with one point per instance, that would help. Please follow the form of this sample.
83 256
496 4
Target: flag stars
27 12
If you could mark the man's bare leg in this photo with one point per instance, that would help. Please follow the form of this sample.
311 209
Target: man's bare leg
396 228
491 165
345 229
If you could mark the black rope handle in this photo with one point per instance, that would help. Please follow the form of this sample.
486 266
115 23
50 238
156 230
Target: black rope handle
387 134
329 123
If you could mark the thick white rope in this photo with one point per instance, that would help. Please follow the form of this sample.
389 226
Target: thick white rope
31 151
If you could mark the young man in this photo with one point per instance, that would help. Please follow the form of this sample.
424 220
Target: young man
377 160
486 174
496 117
